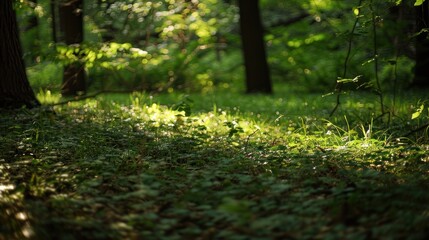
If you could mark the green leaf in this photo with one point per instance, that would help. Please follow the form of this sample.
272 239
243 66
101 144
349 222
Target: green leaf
349 80
356 11
418 112
419 2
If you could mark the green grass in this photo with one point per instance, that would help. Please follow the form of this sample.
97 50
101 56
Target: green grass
236 167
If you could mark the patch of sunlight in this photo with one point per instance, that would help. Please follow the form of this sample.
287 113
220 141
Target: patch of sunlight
47 97
121 226
322 4
4 188
21 216
27 231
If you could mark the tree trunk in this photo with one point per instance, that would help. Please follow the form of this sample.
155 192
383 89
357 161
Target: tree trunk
54 20
421 71
255 60
15 90
71 28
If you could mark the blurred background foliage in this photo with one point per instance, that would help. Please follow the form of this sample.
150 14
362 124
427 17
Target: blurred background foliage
194 45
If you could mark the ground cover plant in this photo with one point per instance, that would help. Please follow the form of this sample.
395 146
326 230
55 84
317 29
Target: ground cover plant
221 166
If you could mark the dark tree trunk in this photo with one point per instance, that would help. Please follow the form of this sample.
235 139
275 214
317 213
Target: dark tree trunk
54 20
15 91
255 60
71 28
421 71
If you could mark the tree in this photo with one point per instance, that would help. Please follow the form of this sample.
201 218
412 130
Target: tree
71 28
15 90
252 38
421 70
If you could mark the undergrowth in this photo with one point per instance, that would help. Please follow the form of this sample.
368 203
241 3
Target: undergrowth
200 167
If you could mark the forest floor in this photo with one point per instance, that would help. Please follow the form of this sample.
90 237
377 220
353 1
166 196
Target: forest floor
220 166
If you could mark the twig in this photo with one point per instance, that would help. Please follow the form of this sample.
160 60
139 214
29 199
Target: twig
417 129
80 98
338 86
246 144
375 52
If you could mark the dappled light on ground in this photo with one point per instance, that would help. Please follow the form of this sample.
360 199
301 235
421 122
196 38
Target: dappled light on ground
101 169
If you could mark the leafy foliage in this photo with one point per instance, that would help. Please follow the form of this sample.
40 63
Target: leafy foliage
194 45
229 168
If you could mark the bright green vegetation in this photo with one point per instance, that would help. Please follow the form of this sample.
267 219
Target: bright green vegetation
222 166
154 48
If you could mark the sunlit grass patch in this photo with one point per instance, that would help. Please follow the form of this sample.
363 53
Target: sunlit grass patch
175 167
47 97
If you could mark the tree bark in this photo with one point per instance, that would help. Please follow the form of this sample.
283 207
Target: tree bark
15 90
54 9
256 67
421 70
71 28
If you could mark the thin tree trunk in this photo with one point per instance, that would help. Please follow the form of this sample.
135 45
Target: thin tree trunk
54 20
257 72
421 71
15 90
71 25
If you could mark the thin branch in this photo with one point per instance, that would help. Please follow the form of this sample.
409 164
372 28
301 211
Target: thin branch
290 21
375 53
417 130
81 98
339 85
